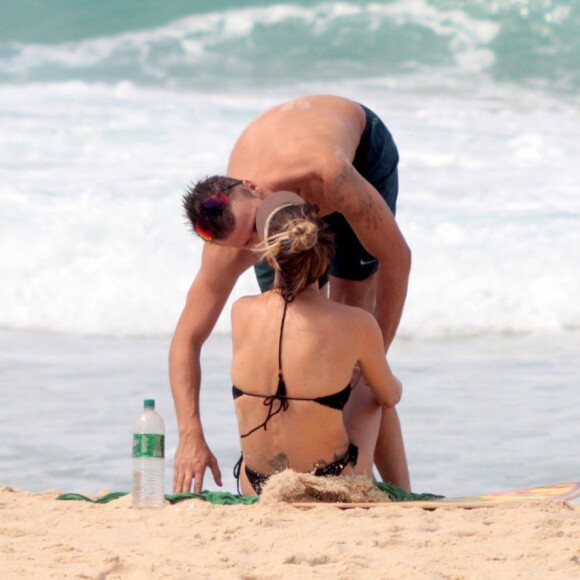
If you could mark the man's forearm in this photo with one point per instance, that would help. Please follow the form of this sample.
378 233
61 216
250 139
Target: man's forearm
391 294
185 379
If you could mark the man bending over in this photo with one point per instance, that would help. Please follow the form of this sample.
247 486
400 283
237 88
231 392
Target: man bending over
338 155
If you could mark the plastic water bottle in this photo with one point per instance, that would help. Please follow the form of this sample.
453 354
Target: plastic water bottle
148 458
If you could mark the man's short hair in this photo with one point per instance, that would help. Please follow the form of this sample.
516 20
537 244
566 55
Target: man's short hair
207 206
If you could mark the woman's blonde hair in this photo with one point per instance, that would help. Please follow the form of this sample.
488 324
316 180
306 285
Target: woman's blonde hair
300 247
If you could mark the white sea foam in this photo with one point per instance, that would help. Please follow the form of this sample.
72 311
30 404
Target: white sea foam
93 239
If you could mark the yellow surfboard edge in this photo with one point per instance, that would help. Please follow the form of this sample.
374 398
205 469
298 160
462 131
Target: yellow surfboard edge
555 491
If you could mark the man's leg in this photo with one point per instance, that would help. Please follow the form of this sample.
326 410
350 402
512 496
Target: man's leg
390 457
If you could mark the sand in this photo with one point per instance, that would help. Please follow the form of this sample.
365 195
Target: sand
44 538
294 487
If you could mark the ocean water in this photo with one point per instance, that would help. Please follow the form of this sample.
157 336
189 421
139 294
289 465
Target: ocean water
478 415
108 111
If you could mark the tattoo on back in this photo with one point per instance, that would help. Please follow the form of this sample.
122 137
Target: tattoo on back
279 462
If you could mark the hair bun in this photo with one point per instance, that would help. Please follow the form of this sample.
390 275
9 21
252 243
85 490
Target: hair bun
302 235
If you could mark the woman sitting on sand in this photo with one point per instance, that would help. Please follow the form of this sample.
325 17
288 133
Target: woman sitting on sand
294 352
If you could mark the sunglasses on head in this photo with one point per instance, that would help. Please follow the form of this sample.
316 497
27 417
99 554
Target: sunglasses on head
213 204
203 232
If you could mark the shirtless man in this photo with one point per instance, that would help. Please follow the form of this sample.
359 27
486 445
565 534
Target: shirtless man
333 153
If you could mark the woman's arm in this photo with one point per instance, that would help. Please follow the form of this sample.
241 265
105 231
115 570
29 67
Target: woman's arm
374 366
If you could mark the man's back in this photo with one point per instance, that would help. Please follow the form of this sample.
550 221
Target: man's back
278 149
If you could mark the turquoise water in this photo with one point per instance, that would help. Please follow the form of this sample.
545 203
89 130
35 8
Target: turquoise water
108 110
193 45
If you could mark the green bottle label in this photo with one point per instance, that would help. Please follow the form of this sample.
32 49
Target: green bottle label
148 445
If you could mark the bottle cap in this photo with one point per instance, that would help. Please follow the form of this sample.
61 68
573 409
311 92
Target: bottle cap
149 403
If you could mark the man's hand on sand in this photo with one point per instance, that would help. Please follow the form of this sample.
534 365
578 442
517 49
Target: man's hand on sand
191 463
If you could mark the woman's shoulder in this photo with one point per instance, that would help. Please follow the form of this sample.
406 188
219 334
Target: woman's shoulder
248 305
244 304
352 321
356 314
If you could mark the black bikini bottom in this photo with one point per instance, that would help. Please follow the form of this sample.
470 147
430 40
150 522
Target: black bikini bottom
257 480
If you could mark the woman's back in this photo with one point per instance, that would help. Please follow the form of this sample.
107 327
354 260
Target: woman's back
318 351
293 358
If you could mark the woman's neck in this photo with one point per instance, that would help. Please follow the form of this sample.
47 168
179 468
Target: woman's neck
308 293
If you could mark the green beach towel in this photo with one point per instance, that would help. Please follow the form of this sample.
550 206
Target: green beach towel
227 498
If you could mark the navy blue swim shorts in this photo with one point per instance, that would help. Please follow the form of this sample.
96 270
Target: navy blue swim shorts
376 159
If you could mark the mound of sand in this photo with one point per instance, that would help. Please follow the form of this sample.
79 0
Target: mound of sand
289 486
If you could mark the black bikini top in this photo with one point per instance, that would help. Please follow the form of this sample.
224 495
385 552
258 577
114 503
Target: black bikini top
335 401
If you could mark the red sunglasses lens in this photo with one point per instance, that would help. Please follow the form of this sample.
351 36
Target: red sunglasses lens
204 233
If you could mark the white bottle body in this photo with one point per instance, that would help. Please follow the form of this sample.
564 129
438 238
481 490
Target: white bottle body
149 460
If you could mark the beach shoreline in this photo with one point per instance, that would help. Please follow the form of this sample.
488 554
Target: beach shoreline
44 538
478 415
